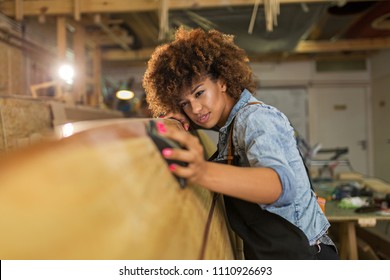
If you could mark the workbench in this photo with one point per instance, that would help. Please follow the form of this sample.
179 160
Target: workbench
347 219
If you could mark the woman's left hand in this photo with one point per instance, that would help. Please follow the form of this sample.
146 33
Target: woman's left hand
192 153
179 117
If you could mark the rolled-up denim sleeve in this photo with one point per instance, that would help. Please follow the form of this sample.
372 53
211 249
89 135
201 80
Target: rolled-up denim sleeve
288 186
268 139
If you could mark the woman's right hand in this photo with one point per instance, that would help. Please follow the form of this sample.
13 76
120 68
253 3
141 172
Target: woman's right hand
191 152
179 117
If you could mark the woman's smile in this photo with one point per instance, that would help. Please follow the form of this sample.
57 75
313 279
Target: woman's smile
203 118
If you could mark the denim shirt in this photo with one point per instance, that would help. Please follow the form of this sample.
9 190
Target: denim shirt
264 137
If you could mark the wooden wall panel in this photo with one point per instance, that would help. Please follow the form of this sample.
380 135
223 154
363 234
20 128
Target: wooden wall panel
23 121
16 72
3 69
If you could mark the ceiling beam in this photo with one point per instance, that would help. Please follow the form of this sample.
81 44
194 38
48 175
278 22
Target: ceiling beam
112 35
103 40
282 57
342 45
75 8
120 55
304 47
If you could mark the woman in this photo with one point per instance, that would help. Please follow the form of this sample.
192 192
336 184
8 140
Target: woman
203 77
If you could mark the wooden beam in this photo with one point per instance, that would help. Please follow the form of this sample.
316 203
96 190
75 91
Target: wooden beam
61 48
304 47
61 38
96 95
67 7
35 88
18 10
76 9
79 85
113 36
146 29
281 57
342 45
104 40
118 55
31 48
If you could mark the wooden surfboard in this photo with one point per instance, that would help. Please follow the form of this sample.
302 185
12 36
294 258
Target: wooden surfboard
105 192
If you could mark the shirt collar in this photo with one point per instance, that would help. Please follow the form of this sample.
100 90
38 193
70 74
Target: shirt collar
244 98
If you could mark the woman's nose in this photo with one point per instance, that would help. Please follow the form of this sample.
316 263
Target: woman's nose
196 107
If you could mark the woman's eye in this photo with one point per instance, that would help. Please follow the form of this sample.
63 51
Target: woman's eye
183 105
199 93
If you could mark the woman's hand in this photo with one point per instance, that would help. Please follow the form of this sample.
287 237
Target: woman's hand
255 184
192 153
179 117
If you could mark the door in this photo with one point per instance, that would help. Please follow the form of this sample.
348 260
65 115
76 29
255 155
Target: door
381 127
339 119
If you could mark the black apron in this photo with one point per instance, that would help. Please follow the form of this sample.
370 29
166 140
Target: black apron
265 235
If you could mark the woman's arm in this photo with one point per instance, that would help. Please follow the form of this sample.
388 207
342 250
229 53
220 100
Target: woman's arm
255 184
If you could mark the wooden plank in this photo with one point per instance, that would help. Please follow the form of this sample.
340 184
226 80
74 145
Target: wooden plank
23 121
61 38
103 193
366 251
342 45
377 185
377 239
104 40
18 10
61 49
79 47
76 10
120 55
66 7
97 74
113 36
145 28
348 243
304 47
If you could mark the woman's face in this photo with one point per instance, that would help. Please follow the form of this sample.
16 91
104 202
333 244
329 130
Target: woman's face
206 103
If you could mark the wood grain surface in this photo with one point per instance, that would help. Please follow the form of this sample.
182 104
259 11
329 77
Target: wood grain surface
104 192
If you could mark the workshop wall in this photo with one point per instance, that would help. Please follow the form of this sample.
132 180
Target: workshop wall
380 76
22 122
12 76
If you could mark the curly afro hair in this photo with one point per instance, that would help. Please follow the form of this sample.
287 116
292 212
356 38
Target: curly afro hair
192 55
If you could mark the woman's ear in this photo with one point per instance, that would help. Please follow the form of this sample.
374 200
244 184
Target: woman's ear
222 85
